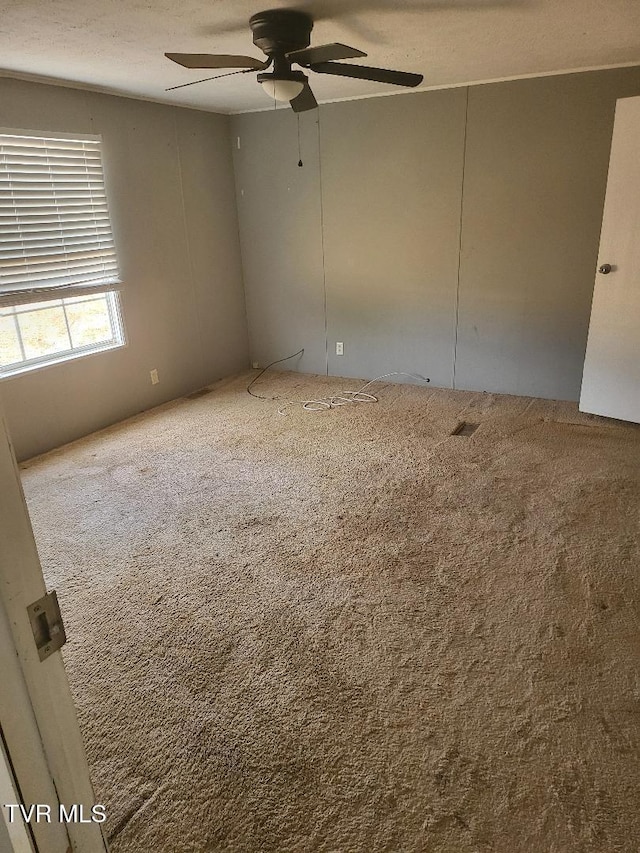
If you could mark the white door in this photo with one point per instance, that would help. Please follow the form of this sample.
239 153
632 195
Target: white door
611 378
42 761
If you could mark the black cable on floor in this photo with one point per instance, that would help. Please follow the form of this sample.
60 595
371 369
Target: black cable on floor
264 369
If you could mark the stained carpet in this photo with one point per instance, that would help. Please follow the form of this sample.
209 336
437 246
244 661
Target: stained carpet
352 631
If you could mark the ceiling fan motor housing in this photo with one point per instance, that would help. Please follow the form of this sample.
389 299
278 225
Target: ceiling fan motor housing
290 75
279 31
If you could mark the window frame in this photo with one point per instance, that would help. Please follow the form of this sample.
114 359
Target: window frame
119 340
65 297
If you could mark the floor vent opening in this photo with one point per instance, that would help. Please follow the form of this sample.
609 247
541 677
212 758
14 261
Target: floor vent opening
465 428
200 393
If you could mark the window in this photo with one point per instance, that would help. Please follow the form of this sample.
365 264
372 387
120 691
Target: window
58 268
46 332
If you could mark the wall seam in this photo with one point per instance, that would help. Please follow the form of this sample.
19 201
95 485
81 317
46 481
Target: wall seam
188 247
324 268
231 132
457 301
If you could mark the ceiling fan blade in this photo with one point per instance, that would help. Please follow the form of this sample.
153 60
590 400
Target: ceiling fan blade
209 60
304 101
204 79
324 53
364 72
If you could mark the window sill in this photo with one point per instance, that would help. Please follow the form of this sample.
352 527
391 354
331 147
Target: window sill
55 360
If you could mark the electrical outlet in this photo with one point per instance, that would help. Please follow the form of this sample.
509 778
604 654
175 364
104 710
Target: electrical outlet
154 376
339 348
255 365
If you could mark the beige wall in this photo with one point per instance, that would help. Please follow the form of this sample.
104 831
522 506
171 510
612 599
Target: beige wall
361 244
279 207
452 238
171 195
534 186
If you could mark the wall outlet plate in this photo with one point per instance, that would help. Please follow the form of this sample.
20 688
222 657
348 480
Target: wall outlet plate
339 348
154 376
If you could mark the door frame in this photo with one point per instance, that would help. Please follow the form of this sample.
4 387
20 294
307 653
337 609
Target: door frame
37 714
15 837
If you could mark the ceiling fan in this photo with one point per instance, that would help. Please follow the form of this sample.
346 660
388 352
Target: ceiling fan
284 36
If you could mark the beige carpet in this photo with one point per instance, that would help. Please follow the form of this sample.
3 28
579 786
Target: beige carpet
352 631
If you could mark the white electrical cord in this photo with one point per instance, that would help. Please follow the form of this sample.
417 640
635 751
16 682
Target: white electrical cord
342 398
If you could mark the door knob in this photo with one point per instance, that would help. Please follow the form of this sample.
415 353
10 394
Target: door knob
605 269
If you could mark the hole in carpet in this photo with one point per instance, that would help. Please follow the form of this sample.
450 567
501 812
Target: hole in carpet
465 428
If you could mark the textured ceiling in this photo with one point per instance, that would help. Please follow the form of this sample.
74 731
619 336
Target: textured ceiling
118 45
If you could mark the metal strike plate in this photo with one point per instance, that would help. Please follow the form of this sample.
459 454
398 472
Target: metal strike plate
46 624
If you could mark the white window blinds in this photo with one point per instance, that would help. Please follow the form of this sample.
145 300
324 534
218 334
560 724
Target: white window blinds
55 235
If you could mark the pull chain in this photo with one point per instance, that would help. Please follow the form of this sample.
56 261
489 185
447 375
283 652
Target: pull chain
300 163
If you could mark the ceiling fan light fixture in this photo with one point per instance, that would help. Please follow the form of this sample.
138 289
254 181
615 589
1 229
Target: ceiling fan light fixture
282 88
